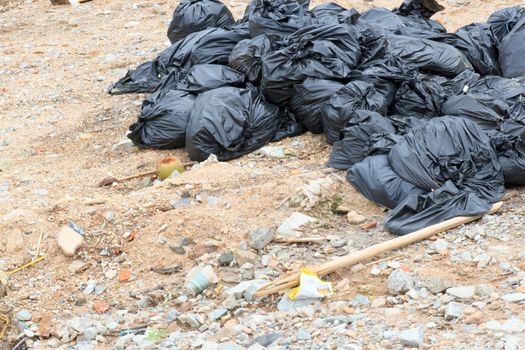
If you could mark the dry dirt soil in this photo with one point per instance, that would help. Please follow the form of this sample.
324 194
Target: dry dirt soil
58 131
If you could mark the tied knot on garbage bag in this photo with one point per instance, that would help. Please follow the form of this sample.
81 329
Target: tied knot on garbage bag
426 122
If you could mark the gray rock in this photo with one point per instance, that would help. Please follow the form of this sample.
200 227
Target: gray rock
413 337
230 346
462 292
436 284
399 282
238 290
512 325
339 243
90 288
91 333
230 302
484 290
287 304
80 324
218 313
226 258
266 340
440 245
24 315
172 315
261 237
303 334
454 310
360 300
514 297
273 151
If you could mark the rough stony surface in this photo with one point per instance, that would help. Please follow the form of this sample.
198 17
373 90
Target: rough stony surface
60 134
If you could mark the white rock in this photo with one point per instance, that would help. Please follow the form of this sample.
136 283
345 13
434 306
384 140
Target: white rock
413 337
514 297
463 292
289 226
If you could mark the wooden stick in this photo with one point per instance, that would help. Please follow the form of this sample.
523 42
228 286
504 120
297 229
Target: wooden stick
292 280
110 180
38 245
292 240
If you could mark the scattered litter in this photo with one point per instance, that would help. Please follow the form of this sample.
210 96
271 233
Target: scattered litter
290 226
200 278
311 287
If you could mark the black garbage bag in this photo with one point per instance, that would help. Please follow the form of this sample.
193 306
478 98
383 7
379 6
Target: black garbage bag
503 21
205 77
332 13
411 19
356 95
288 125
419 97
499 87
308 98
486 111
427 55
478 43
385 79
246 56
145 78
459 84
322 51
512 51
230 122
357 138
454 160
195 15
419 211
207 46
278 17
282 7
163 120
510 147
375 179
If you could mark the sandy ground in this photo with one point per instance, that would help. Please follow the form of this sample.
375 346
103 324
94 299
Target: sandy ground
58 133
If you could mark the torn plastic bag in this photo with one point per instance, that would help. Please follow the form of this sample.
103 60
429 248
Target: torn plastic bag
246 56
478 43
375 179
207 46
356 95
356 139
278 18
453 159
419 97
512 51
195 15
503 21
420 8
163 120
510 147
230 122
308 98
205 77
288 125
323 52
485 110
419 211
145 78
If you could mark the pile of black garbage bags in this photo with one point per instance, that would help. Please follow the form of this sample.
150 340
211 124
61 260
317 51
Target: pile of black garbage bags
427 123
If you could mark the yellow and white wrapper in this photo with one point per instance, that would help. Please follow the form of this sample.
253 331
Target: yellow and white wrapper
311 286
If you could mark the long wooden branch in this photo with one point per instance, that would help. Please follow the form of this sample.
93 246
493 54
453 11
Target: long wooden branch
292 279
